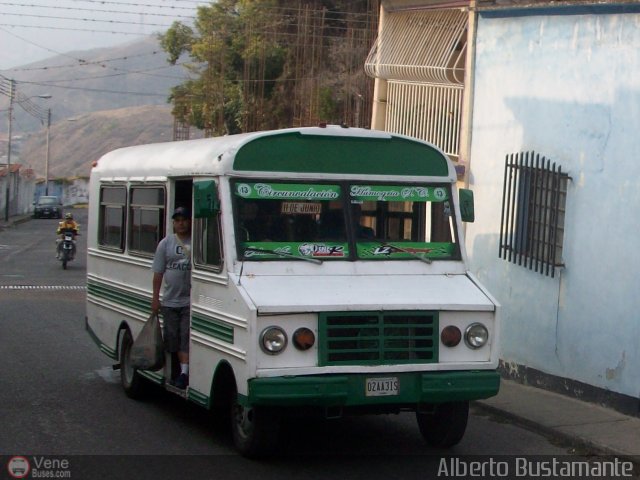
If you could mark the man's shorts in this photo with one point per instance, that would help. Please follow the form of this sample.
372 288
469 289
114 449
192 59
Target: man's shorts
176 328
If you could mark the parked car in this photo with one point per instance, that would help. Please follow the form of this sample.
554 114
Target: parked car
48 207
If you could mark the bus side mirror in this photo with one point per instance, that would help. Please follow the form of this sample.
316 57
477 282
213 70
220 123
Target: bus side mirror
205 199
467 211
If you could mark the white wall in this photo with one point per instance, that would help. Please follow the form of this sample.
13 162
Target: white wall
566 86
76 192
22 190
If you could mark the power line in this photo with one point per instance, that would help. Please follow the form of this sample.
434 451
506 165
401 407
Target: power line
75 19
269 12
198 3
274 12
85 63
262 27
135 4
92 30
37 45
120 70
9 88
97 90
310 36
122 73
30 107
122 12
82 62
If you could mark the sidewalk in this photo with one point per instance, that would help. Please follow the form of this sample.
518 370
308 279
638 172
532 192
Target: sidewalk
15 220
598 429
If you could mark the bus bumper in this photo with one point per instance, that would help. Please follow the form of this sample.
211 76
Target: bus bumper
350 390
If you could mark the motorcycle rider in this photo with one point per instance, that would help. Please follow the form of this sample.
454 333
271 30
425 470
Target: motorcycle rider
68 224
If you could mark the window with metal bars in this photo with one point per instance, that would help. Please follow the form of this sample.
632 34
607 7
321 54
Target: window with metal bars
533 209
421 53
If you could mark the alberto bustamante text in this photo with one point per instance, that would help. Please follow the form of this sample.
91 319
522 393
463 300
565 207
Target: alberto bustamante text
534 467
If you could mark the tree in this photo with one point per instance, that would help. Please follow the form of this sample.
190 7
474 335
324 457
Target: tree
262 64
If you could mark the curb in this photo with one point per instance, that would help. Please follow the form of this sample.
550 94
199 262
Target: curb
18 221
577 443
15 221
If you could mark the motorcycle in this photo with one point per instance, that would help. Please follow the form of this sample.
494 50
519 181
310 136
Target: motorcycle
67 249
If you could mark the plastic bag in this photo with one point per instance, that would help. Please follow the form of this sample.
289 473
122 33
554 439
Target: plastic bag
147 351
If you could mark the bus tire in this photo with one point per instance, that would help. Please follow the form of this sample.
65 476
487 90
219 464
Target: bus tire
133 384
254 429
445 426
222 393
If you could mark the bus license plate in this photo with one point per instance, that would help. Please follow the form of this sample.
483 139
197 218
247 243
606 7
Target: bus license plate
382 387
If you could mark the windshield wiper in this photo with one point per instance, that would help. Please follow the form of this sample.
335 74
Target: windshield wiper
283 254
413 254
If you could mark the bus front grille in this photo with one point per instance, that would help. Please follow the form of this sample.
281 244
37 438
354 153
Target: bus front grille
378 338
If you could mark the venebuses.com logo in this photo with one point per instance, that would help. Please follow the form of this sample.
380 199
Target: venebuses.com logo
20 466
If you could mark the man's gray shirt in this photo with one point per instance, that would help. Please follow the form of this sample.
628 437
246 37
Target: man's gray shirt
173 259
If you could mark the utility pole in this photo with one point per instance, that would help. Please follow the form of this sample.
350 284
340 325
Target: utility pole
46 160
12 88
32 109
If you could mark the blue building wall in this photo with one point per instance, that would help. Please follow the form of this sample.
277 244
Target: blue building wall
70 191
55 190
564 83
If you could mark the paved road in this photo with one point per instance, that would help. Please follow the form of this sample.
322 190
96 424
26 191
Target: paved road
59 396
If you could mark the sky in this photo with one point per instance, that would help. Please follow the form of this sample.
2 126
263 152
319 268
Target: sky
33 30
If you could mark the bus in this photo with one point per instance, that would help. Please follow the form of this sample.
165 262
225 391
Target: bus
329 276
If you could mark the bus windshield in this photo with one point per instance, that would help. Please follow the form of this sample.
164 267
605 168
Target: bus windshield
344 221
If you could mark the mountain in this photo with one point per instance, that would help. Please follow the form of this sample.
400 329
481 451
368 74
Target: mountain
102 99
75 145
132 74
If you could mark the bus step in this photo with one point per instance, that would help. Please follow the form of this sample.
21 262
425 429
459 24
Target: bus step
180 392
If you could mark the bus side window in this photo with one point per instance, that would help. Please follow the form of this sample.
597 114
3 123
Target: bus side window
441 222
146 219
111 217
207 239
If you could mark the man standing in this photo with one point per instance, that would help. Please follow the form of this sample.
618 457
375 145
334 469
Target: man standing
172 263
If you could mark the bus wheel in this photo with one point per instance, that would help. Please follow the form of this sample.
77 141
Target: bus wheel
445 426
254 429
132 383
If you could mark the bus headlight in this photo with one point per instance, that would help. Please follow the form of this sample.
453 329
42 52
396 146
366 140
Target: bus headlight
476 335
273 340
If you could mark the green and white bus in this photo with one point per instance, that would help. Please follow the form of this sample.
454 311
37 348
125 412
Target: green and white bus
329 275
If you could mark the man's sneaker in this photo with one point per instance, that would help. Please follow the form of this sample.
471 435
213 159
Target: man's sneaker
182 381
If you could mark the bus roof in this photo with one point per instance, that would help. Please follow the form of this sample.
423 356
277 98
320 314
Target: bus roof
328 150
